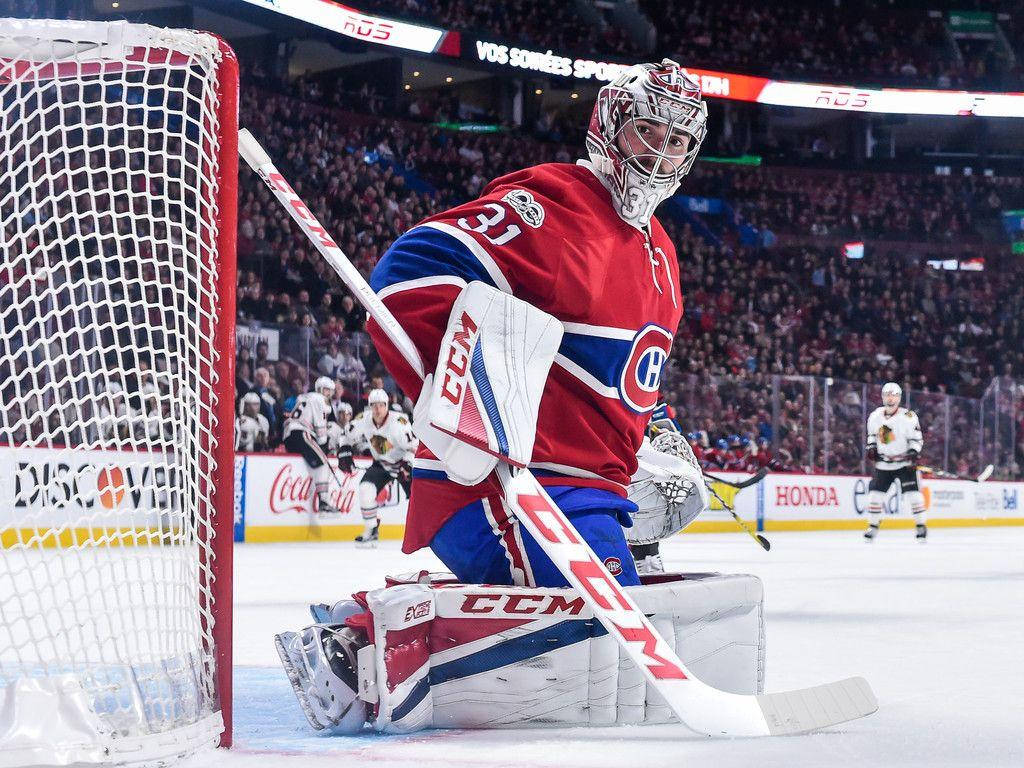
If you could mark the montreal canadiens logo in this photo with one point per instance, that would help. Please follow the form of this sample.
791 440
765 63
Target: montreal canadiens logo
614 565
641 376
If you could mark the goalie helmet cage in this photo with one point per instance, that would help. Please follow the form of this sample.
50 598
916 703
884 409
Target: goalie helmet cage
118 198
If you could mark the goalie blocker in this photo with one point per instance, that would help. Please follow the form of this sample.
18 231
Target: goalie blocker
439 654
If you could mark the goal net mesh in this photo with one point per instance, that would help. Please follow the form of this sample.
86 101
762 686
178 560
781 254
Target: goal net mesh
110 177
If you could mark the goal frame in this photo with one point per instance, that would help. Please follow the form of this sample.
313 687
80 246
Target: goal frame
224 345
215 590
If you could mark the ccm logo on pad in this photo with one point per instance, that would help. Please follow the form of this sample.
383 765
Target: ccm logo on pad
457 363
522 604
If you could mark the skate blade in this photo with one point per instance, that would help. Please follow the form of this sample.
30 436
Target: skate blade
366 545
295 677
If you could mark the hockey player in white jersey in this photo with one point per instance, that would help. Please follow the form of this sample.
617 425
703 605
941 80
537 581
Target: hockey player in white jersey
392 444
894 443
336 429
251 427
305 433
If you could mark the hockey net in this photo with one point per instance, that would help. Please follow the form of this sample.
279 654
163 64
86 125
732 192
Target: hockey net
118 184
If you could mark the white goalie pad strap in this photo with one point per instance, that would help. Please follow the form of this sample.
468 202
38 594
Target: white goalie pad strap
482 401
668 489
470 656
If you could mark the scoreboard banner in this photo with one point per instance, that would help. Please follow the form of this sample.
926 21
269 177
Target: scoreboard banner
425 39
369 28
729 85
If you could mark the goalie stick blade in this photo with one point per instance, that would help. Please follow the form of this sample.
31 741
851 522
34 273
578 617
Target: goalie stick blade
821 706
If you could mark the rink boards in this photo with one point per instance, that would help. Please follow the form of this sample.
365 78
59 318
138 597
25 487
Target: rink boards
273 502
107 496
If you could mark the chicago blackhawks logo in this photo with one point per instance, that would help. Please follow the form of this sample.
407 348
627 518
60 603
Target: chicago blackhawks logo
380 444
641 375
885 434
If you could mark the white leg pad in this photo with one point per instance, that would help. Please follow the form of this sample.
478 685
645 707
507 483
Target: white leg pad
470 656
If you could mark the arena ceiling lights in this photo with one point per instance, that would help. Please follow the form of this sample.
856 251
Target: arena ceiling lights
726 85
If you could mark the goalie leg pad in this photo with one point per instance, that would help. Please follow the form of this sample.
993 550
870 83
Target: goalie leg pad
470 656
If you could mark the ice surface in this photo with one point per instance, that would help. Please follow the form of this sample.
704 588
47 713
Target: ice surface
938 630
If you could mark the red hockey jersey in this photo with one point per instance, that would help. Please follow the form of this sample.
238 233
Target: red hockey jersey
550 236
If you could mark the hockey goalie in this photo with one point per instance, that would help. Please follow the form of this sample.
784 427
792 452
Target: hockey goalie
563 286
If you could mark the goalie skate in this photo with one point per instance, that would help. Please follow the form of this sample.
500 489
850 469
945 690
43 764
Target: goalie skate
321 665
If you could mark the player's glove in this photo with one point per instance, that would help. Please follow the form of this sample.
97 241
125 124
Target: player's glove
345 462
872 453
912 455
404 473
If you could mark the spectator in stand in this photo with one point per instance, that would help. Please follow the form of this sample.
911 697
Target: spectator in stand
330 360
353 315
269 403
350 369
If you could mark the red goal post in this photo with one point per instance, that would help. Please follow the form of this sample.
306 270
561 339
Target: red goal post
118 208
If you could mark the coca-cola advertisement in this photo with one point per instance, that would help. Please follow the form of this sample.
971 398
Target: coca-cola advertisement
279 503
292 491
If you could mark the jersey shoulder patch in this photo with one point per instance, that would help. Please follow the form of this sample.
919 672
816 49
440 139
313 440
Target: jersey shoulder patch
524 203
911 414
402 419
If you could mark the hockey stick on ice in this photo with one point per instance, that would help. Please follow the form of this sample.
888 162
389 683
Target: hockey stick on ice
754 479
700 707
761 540
985 474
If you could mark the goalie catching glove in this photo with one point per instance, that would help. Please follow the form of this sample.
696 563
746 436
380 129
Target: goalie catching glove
668 489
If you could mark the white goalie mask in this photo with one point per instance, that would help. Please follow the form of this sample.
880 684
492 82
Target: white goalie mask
645 132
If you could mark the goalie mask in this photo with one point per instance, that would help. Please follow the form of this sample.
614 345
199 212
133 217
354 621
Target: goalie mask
644 134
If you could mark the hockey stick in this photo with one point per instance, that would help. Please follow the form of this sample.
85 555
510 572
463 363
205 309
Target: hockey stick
698 706
985 474
756 478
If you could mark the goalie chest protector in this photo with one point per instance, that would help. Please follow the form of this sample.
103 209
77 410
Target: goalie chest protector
550 236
